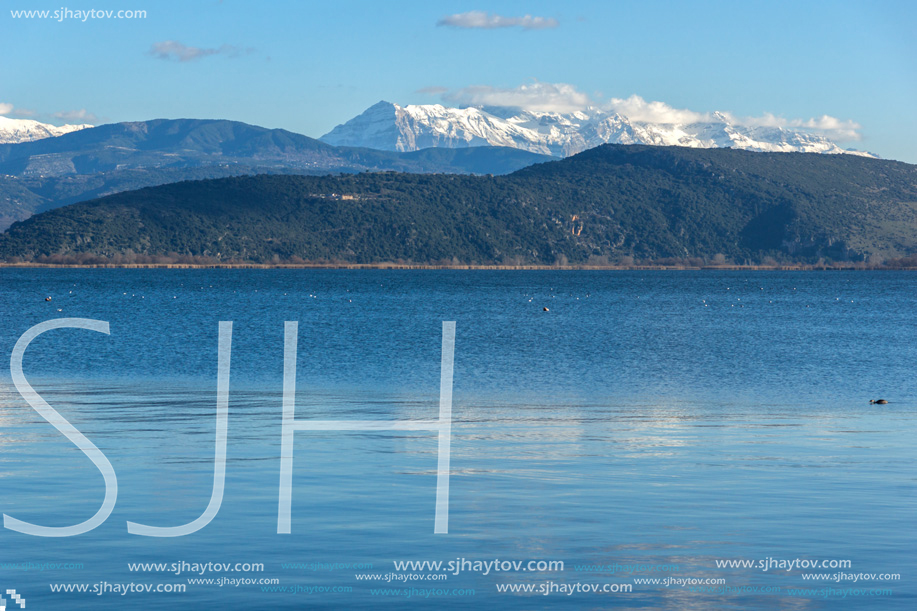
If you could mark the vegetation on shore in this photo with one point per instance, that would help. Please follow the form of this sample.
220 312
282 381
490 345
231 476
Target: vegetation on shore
610 206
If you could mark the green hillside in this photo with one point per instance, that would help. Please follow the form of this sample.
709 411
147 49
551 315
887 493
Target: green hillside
610 202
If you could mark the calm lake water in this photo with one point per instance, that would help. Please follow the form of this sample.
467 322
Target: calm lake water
657 421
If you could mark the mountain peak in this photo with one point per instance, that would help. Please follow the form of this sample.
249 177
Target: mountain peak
391 127
14 131
381 104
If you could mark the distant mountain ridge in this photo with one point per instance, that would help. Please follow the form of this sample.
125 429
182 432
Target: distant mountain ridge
55 171
390 127
14 131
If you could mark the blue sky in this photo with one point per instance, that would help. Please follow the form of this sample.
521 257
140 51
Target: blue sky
308 66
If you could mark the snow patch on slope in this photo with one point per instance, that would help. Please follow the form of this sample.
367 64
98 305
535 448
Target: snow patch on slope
14 131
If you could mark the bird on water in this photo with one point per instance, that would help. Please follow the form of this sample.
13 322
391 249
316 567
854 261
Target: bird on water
878 402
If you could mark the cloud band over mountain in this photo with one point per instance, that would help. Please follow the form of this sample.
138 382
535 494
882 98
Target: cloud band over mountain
565 98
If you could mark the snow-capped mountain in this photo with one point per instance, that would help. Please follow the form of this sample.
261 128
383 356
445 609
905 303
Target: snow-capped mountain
14 131
391 127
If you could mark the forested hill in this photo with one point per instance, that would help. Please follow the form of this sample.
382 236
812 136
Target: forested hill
49 173
604 204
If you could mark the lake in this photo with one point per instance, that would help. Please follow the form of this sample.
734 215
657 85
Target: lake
652 440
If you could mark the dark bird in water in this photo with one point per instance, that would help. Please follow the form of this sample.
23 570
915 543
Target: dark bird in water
47 299
878 402
546 310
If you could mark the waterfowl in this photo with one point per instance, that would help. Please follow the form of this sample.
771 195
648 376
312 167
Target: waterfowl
878 402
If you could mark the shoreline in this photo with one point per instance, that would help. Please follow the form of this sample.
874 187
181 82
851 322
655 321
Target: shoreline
418 266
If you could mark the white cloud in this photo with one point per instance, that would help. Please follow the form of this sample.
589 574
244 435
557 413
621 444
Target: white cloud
834 128
82 115
638 109
565 98
487 21
432 90
176 51
9 109
830 127
543 97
